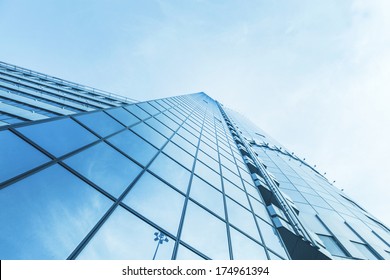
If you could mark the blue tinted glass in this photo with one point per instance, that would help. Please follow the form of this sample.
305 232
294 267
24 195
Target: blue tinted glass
137 111
171 171
208 161
185 254
184 144
244 248
241 218
148 108
235 193
123 116
207 196
179 155
205 232
46 218
331 245
100 122
16 156
134 146
167 121
106 167
164 130
259 209
125 237
208 174
149 134
156 201
58 137
271 238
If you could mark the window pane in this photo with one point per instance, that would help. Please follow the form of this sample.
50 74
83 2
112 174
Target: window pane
186 254
184 144
244 248
179 155
259 209
156 201
271 238
46 218
207 196
123 116
331 245
149 134
235 193
137 111
59 137
208 174
208 161
100 122
365 250
171 171
105 167
167 121
205 232
158 126
126 237
134 146
148 108
17 156
242 218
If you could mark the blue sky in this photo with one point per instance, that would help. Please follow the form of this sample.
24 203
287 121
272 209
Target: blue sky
313 74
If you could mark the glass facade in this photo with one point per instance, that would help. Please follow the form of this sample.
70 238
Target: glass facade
174 178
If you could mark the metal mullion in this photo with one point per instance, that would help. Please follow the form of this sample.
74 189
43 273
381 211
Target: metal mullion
224 194
181 223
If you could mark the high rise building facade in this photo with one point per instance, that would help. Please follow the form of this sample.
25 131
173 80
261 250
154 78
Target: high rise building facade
86 174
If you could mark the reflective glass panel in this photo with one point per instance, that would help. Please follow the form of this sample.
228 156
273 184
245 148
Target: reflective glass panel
167 121
156 201
208 174
100 122
244 248
242 218
123 116
259 209
58 137
106 167
46 218
363 248
148 108
208 161
205 232
149 134
134 146
126 237
207 196
184 144
331 245
171 171
137 111
235 193
179 155
186 254
163 129
17 156
271 237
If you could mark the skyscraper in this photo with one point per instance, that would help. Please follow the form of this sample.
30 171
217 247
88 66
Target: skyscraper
85 174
